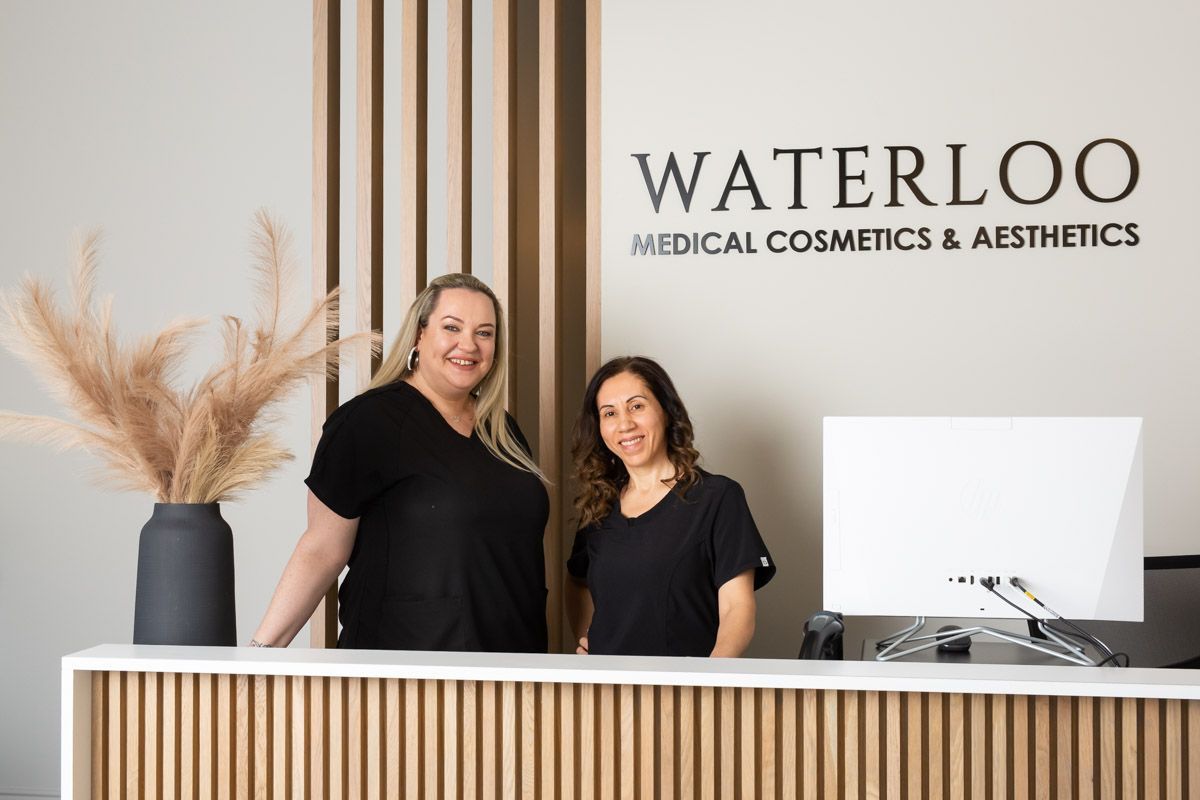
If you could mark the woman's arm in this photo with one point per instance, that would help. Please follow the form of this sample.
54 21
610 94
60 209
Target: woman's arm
579 610
735 603
319 557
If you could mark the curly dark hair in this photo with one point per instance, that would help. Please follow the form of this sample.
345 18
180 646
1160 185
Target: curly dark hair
599 473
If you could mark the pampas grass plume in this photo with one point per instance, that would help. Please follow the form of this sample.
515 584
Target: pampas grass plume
203 444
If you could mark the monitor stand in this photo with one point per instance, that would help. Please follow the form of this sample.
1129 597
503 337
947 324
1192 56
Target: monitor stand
1053 643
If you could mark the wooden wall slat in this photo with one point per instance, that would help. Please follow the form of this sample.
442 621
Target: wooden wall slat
1152 747
1173 776
592 202
766 738
707 777
1129 748
915 748
687 727
1108 748
414 164
831 738
508 753
607 766
1193 757
412 735
529 745
458 135
326 237
957 775
979 745
504 172
727 741
936 735
550 351
871 751
368 181
809 754
893 754
998 736
240 735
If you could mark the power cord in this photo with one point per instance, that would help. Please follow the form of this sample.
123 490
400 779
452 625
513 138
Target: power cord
1109 655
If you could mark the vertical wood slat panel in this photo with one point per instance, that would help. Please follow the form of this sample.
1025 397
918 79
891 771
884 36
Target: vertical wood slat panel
999 732
592 177
936 746
979 748
1085 756
132 725
116 708
1129 748
1064 757
915 747
707 777
1041 751
687 727
204 737
871 784
414 165
458 135
488 742
412 733
646 761
262 762
831 746
504 172
326 237
1193 756
726 741
368 180
1173 776
607 765
550 351
239 735
429 740
527 721
567 727
1020 724
893 756
1108 748
768 724
224 737
1151 749
957 775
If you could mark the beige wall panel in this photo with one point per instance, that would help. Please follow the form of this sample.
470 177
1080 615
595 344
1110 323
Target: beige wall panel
979 745
1129 747
893 753
914 749
412 734
871 782
937 738
458 135
528 720
687 740
997 733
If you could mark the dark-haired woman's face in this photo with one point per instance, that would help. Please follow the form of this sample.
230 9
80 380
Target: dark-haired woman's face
632 423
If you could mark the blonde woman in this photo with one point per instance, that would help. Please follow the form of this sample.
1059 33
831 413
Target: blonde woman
425 487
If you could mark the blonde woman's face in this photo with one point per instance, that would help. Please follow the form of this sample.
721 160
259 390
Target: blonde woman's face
458 346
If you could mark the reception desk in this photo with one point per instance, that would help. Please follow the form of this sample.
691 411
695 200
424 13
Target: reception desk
224 722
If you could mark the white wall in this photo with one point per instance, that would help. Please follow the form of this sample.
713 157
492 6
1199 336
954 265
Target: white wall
168 124
762 346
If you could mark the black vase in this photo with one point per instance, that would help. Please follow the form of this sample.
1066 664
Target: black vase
185 578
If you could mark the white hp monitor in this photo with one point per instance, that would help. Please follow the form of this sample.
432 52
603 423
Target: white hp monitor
920 510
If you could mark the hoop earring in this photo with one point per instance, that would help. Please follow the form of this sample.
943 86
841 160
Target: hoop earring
414 359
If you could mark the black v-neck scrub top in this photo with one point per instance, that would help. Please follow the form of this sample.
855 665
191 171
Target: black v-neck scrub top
654 578
448 554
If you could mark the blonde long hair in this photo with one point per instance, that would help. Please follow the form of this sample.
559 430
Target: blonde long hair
490 423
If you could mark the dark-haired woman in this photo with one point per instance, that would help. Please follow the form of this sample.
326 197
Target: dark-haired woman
667 557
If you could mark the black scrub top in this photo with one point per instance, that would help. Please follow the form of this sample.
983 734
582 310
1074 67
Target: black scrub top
654 578
448 554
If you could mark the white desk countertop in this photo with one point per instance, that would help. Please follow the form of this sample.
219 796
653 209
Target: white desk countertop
896 676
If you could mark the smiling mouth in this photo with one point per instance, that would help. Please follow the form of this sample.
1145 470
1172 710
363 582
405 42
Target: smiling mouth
462 362
631 441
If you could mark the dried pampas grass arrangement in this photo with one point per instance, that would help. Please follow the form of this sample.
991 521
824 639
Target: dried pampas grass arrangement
205 444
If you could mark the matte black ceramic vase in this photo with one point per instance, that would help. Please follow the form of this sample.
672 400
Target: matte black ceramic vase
185 578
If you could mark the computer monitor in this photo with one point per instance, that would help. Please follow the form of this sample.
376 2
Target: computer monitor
920 510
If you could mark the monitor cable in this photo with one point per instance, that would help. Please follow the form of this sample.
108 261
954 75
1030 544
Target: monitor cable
1079 634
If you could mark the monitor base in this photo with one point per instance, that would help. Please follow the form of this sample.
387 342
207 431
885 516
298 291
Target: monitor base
1055 644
